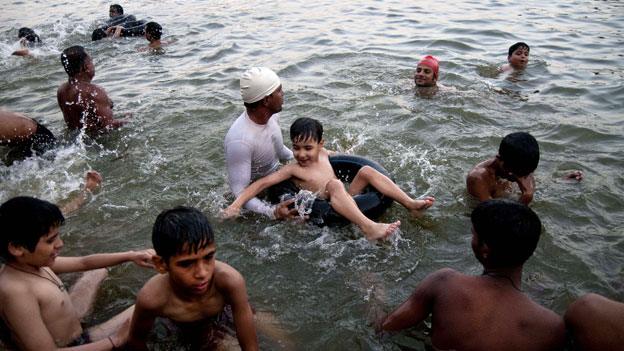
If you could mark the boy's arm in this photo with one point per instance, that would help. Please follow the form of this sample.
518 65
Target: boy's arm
527 187
478 187
142 322
84 263
255 188
418 306
243 315
93 180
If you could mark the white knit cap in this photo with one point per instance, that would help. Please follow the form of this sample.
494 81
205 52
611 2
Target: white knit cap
258 82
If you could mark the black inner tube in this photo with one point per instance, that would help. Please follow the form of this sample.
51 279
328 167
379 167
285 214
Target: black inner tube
371 202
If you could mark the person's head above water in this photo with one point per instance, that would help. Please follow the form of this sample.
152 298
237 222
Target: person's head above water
115 10
181 230
29 35
306 129
427 72
23 221
75 60
519 153
505 233
153 31
518 55
257 83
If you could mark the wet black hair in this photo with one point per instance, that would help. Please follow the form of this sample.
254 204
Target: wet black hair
29 34
98 34
516 46
520 153
306 128
24 220
181 229
154 30
73 58
117 8
510 229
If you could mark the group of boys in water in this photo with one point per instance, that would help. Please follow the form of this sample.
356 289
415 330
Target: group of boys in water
198 292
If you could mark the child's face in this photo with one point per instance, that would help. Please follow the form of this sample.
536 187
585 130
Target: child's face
191 272
424 76
47 250
519 58
307 151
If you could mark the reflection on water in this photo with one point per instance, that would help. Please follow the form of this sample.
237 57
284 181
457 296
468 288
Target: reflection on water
350 65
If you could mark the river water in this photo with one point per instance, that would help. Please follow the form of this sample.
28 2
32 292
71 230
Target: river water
349 64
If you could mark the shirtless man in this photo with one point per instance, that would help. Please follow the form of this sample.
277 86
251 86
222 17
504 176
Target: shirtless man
596 323
254 145
34 304
488 311
24 135
84 104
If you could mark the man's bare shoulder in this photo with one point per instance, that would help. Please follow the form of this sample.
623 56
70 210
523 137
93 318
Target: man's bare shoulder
11 285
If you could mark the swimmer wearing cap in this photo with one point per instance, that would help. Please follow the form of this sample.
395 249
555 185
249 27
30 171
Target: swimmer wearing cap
427 70
254 145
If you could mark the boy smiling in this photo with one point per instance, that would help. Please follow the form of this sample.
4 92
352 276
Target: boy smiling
313 172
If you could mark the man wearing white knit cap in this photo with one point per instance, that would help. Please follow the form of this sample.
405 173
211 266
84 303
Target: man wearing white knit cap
254 145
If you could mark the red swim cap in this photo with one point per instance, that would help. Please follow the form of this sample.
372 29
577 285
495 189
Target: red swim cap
432 63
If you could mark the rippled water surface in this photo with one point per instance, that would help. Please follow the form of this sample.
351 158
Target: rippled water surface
350 65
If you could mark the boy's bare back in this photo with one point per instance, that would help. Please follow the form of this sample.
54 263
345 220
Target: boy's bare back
480 313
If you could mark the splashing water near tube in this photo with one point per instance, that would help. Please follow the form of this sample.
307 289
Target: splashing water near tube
304 200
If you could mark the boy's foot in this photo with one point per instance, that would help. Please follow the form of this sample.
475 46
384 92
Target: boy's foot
420 205
379 231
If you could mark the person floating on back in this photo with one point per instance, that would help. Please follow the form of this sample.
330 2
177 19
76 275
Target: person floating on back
313 172
28 39
206 298
84 104
596 323
39 312
487 311
517 57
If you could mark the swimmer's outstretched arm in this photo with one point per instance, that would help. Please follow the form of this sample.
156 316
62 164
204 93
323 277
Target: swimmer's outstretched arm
141 258
255 188
92 181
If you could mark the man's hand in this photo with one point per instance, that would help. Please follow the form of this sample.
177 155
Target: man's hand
527 187
283 212
144 258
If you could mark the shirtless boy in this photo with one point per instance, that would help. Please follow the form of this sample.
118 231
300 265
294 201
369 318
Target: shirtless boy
313 172
518 57
596 323
489 311
194 290
35 306
153 32
518 156
83 103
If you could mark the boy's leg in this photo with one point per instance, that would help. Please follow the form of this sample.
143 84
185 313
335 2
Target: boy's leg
82 293
343 203
111 326
369 176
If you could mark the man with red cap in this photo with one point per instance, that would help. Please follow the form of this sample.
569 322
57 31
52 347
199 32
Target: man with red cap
254 145
427 72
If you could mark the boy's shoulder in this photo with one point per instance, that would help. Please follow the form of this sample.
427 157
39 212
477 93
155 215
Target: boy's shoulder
155 292
11 284
227 277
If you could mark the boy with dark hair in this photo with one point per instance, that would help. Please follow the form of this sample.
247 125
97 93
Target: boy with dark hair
115 10
153 32
596 323
34 303
518 57
83 103
314 172
28 39
490 311
204 297
517 158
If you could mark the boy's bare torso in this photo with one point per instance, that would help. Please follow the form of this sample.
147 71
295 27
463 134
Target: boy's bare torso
496 187
57 312
315 175
82 99
487 313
